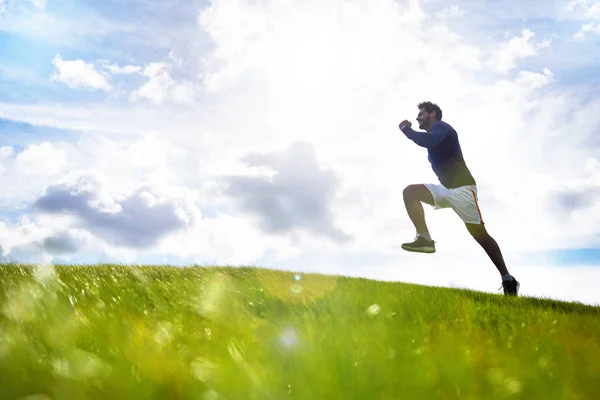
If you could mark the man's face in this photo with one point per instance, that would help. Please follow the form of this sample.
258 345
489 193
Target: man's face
425 119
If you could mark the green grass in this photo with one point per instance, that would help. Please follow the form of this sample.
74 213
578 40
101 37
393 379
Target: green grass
133 332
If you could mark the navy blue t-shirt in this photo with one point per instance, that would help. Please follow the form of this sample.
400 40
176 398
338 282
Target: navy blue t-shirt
444 154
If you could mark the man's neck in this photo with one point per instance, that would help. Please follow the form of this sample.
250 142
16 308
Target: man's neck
429 127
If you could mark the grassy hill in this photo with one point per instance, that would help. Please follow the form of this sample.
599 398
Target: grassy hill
136 332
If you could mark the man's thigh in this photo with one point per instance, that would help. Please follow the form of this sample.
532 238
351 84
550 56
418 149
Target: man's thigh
420 192
440 195
463 200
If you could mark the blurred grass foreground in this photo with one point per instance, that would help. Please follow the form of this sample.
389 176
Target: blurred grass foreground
161 332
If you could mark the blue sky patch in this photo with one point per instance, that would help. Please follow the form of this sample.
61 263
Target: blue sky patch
20 135
584 256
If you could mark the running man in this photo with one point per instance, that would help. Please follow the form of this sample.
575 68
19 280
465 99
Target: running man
457 189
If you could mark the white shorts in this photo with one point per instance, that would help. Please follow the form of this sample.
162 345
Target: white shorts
463 200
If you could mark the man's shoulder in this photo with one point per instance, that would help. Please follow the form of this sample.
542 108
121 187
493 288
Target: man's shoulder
445 128
443 125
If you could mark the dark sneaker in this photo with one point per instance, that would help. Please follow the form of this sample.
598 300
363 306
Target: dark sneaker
511 288
420 245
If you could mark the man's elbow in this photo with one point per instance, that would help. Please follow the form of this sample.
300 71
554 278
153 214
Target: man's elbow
429 143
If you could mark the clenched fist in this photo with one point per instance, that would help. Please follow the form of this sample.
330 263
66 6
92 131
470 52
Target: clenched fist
405 124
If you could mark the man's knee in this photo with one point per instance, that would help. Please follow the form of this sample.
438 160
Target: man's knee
417 192
409 192
478 231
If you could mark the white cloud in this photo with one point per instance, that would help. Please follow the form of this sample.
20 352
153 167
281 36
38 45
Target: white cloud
42 238
453 11
161 87
125 70
517 47
590 11
40 160
585 28
228 239
136 219
534 80
6 151
78 74
591 8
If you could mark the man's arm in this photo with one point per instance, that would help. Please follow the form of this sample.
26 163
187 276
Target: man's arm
427 139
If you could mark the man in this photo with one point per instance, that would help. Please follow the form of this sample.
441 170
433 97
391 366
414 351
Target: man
457 189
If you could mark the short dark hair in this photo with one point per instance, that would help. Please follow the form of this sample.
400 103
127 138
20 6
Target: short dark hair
429 107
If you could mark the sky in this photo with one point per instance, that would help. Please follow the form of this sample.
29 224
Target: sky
265 133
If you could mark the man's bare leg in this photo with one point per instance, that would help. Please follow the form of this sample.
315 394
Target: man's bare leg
487 242
481 235
413 196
